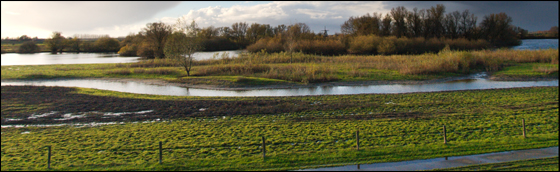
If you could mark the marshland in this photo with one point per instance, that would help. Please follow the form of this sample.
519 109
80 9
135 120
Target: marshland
78 128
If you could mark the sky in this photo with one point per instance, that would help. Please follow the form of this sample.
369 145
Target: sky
120 18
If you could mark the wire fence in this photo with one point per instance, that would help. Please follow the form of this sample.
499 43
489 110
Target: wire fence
266 147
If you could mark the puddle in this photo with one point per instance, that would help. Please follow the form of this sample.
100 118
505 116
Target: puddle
448 162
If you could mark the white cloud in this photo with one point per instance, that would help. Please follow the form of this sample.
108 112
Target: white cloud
330 14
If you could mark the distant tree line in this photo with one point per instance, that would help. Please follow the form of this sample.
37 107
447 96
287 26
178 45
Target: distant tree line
401 31
435 23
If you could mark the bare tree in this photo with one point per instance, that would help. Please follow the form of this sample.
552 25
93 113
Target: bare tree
182 44
399 15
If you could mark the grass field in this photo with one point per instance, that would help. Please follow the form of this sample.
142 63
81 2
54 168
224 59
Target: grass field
300 132
541 164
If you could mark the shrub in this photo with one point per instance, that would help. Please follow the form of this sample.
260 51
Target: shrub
366 44
128 50
28 47
146 50
387 46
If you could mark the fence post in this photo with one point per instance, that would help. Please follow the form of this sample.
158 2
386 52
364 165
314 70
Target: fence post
263 147
444 135
49 158
358 139
160 157
524 131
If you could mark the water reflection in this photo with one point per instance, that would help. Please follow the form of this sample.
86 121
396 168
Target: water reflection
90 58
474 82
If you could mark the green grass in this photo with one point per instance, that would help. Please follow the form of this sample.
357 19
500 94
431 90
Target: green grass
393 127
540 164
529 70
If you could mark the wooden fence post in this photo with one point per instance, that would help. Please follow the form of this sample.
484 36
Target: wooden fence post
49 158
160 157
263 147
524 131
358 139
444 135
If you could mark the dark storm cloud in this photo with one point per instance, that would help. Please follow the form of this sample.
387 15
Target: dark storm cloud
529 15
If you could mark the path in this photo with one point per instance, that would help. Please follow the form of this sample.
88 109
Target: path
456 161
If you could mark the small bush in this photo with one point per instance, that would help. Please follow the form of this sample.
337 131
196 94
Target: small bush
28 47
387 46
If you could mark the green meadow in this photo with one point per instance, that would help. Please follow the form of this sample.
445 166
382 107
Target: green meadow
392 127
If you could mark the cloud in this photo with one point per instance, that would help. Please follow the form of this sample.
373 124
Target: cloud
121 18
330 14
79 16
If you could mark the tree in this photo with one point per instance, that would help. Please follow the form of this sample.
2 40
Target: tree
399 14
434 19
293 34
74 44
239 31
130 45
497 28
386 25
156 34
56 43
414 23
28 47
182 44
467 25
451 24
363 25
106 44
24 38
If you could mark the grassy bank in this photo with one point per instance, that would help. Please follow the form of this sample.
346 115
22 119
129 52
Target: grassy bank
217 133
12 48
265 68
541 164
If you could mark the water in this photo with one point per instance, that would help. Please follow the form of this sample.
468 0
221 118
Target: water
87 58
535 44
64 58
448 162
210 55
472 82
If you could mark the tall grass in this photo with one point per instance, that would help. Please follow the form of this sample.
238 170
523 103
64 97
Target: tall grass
320 47
372 44
293 72
451 61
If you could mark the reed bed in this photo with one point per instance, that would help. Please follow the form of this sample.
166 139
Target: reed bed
447 60
296 73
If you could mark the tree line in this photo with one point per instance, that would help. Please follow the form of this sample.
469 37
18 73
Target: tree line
400 31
